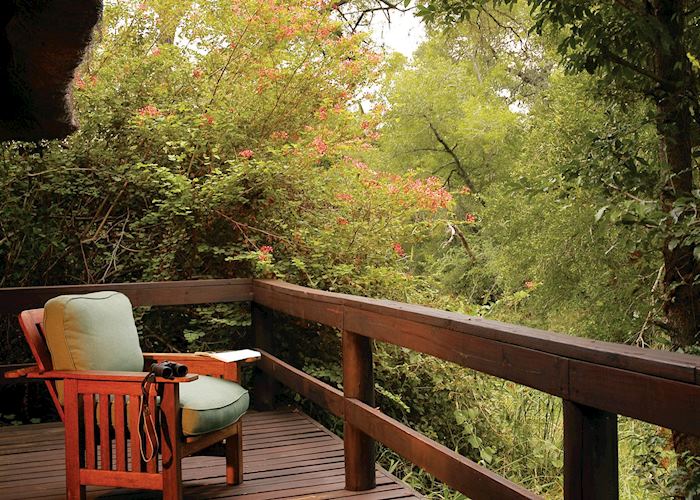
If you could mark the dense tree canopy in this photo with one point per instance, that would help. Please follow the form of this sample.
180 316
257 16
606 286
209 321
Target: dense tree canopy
644 51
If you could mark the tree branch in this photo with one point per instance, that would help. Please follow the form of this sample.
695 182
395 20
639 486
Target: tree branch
632 66
455 159
464 241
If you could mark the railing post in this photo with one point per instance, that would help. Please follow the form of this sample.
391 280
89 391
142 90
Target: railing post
265 388
590 453
358 383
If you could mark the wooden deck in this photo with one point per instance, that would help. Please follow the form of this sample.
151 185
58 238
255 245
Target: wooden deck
287 455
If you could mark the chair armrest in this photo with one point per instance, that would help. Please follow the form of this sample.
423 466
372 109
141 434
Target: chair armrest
106 376
179 357
21 372
184 357
197 363
201 365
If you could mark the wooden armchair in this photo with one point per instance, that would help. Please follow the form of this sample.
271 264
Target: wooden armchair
103 408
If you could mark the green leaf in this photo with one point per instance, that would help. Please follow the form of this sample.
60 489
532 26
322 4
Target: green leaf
599 214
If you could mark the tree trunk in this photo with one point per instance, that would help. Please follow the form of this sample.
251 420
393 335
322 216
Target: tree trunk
681 301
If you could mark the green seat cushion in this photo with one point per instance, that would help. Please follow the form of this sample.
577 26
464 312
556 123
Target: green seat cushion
95 331
209 404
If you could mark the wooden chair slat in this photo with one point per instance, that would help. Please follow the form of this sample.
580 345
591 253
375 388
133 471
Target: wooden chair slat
105 427
133 410
120 432
89 428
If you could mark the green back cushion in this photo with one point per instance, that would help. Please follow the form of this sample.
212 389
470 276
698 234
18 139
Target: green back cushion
95 331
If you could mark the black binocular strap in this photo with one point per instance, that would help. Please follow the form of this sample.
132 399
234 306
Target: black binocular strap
147 421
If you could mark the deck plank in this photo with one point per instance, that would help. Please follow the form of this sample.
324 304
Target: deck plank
287 455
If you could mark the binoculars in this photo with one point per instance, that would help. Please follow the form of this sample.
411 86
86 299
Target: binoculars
168 369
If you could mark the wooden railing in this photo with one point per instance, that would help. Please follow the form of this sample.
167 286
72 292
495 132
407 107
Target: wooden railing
596 380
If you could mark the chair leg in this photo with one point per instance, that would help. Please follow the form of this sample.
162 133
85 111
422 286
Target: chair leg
74 490
170 443
172 481
234 457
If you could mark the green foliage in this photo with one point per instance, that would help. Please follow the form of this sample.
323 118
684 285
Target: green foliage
236 155
446 115
577 271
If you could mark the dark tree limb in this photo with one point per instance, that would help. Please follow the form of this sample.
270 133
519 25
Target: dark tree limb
455 159
464 242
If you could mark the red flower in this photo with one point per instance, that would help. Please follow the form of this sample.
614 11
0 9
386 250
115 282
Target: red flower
529 285
79 82
286 32
342 221
360 165
465 190
150 111
246 153
155 52
470 218
209 119
431 195
197 73
344 197
321 147
398 249
265 252
322 114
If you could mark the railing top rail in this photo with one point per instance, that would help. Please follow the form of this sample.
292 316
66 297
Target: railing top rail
160 293
334 309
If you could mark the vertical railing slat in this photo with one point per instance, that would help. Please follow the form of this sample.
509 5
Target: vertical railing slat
264 387
590 453
358 383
